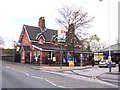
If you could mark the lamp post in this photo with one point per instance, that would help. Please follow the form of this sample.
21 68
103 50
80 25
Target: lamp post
118 33
109 57
109 54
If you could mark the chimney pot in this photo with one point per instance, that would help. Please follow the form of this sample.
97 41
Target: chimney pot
41 23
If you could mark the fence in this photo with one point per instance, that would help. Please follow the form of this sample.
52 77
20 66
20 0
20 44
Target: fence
7 57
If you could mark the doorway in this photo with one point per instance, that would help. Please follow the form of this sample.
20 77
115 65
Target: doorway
27 59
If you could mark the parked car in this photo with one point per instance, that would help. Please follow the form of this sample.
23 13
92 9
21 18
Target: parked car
106 62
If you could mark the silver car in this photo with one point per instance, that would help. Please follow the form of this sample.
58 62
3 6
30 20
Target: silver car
106 62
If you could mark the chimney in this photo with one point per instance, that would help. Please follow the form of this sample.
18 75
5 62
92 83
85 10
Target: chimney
41 23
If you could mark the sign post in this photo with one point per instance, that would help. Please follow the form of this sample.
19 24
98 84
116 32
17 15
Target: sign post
61 39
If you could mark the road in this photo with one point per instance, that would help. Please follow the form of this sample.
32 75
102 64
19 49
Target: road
14 76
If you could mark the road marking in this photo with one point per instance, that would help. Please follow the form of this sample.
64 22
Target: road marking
7 67
37 77
50 82
61 86
27 74
10 68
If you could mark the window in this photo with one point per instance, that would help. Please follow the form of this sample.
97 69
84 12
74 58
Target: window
38 54
49 55
55 41
41 40
34 54
23 55
53 54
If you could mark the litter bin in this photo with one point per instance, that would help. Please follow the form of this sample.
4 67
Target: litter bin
71 64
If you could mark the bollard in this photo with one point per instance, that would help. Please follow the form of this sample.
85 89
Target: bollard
110 65
71 64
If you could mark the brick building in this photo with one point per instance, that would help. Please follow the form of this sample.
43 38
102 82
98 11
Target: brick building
40 45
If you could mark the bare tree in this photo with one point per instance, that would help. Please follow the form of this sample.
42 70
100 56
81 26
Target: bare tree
75 16
75 21
94 37
95 42
1 42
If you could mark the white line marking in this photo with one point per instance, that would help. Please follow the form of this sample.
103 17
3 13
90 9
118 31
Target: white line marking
37 77
10 68
50 82
7 67
61 86
27 74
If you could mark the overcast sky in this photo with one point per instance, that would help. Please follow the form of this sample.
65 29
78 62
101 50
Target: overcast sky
15 13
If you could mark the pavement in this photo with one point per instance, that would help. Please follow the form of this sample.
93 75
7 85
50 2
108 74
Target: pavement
50 67
58 68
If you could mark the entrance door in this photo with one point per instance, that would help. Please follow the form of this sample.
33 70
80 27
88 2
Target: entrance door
28 57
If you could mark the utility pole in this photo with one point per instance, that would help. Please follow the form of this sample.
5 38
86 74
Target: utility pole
118 33
109 52
109 57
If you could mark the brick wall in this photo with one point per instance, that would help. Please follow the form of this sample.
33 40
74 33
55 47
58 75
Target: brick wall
25 40
44 57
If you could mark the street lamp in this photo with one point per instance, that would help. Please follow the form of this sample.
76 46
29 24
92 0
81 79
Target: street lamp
118 33
109 55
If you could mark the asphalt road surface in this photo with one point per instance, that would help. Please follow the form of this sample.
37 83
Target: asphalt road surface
14 76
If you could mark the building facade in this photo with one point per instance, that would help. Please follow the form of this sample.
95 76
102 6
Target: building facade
40 45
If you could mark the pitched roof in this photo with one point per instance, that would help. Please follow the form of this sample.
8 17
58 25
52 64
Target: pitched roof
115 47
27 48
34 31
47 46
57 47
49 34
